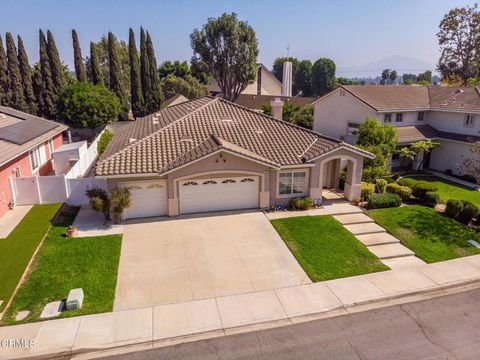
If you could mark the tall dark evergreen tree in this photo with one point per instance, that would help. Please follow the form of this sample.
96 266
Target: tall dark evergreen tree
4 81
156 96
80 71
115 76
138 105
38 88
17 100
26 74
55 63
49 97
145 69
95 68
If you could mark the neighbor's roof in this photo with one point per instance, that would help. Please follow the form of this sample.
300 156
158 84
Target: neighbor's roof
412 133
45 129
185 132
412 97
258 101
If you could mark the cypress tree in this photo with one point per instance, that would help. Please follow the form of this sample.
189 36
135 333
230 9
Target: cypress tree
26 74
49 98
145 70
138 106
38 88
80 71
17 100
4 85
115 76
56 66
95 69
156 97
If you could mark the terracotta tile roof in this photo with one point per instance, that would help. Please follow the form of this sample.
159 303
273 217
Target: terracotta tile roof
405 97
10 150
202 126
410 134
257 101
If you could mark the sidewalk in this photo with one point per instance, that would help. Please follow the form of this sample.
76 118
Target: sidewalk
163 325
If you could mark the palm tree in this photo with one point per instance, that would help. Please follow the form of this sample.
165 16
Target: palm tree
425 146
406 153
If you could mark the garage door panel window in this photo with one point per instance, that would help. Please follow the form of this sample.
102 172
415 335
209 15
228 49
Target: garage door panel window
190 183
292 183
247 180
228 181
209 182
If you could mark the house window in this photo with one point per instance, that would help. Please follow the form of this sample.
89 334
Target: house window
50 146
399 117
291 183
469 120
421 116
16 172
387 118
352 129
35 158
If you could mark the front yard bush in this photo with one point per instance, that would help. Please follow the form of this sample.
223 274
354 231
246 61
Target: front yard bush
367 190
386 200
381 184
468 212
453 208
432 198
421 188
409 182
303 203
403 191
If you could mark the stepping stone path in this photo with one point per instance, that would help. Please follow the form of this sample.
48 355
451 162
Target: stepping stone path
22 315
52 309
385 246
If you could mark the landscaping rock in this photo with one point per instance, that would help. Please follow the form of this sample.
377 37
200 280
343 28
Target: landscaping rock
22 315
52 309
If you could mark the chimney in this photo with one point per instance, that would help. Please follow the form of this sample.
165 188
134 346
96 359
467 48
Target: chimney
277 108
287 79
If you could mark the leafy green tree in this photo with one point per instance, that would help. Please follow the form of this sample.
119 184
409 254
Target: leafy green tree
380 140
4 80
49 97
17 100
156 94
393 76
278 67
115 75
188 86
304 117
84 105
345 81
459 40
137 101
425 78
473 82
323 76
80 70
103 142
229 49
406 154
423 147
302 79
26 74
410 78
385 76
55 63
199 71
177 68
96 74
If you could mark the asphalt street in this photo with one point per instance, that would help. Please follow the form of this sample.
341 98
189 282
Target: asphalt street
441 328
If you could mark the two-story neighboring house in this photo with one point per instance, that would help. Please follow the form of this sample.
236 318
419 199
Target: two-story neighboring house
449 115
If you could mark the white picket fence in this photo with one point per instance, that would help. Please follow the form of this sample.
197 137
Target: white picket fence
50 189
83 165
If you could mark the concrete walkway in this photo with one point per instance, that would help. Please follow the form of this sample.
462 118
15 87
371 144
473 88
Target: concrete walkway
11 218
167 324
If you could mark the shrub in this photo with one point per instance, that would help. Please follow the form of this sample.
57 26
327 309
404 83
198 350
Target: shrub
386 200
468 212
99 201
403 191
453 208
367 190
432 198
381 185
421 188
407 182
302 203
103 142
119 201
112 203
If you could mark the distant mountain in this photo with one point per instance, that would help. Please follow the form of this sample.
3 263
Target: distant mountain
402 64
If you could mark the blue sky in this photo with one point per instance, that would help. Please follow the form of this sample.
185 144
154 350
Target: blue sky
350 32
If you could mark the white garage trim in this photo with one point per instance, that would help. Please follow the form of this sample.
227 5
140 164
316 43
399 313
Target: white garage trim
148 198
218 193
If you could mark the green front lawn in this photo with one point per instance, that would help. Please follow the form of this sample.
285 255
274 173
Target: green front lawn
65 263
17 249
449 190
431 235
325 249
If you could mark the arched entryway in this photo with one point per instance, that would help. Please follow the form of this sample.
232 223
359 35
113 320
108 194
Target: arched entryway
331 169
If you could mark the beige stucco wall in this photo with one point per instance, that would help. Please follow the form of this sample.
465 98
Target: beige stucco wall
269 86
333 113
452 122
449 155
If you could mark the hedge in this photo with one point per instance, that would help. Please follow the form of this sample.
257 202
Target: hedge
403 191
386 200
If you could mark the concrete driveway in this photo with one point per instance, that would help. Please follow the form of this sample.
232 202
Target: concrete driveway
170 261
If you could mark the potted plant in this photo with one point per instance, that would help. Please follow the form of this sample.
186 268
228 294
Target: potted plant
72 231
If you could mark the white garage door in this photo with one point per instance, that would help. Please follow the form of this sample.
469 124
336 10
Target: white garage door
148 198
218 194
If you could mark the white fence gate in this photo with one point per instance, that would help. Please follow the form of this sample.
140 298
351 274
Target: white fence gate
50 189
85 162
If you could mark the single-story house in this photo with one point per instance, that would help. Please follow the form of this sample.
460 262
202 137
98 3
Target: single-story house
26 146
210 154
